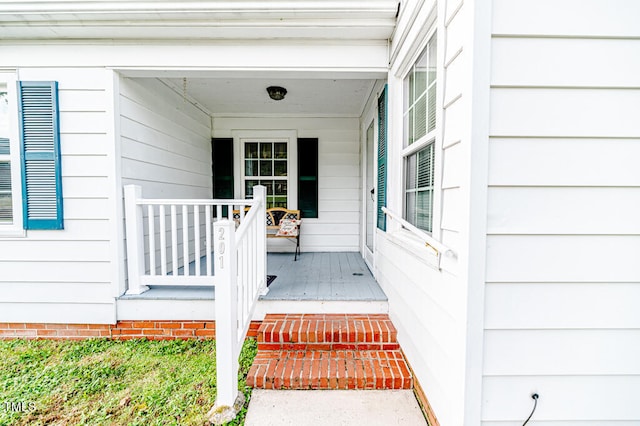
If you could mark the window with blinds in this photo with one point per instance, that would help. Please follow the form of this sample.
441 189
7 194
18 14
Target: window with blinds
6 201
419 137
419 188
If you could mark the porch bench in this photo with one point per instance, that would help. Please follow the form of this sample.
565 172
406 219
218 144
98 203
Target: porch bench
277 229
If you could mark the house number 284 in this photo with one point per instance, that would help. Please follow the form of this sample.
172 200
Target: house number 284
221 247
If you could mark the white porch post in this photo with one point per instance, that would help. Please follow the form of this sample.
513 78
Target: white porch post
226 304
135 238
260 192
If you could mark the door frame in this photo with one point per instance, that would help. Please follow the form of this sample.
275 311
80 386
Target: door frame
369 116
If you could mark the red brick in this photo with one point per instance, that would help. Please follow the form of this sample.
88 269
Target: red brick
34 325
206 333
168 324
143 324
192 325
182 333
153 332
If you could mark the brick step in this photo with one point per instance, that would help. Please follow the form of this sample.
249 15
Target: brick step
339 369
327 332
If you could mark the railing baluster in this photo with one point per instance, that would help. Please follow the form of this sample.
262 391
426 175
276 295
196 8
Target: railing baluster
196 237
163 240
152 240
218 212
185 240
207 221
174 240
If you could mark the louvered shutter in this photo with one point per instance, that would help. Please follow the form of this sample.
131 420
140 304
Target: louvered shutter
40 154
382 159
308 177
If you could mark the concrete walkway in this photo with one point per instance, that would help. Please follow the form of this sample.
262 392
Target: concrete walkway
333 407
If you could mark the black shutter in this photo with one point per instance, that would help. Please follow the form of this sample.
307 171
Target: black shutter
222 168
308 177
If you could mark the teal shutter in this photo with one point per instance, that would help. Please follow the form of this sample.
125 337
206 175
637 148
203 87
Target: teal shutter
40 154
308 177
382 158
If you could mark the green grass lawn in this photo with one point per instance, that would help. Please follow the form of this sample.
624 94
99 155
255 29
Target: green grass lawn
100 381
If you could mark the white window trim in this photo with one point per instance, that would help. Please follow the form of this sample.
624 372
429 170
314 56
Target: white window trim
14 229
434 136
288 136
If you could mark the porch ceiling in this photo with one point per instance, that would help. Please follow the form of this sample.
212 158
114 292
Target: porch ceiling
305 97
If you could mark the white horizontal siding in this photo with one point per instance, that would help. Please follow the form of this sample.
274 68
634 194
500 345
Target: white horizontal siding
562 352
83 312
561 315
427 308
564 210
590 18
547 162
565 112
337 227
43 292
563 398
568 62
553 305
65 276
559 258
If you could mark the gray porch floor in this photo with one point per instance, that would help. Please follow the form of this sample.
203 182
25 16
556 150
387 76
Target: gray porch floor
315 276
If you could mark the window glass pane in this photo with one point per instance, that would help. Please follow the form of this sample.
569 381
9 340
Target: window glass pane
432 59
251 168
280 168
411 172
266 150
269 185
6 212
423 210
4 119
280 150
251 150
421 75
412 87
420 118
411 138
280 187
266 168
425 174
432 108
249 184
419 188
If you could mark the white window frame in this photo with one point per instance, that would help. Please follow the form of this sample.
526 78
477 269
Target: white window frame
14 229
431 137
290 137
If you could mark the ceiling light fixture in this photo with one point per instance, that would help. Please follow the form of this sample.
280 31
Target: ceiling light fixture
276 92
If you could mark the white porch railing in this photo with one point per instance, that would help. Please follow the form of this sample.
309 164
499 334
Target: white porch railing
189 242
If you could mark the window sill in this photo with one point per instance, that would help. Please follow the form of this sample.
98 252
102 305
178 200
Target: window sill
12 232
414 246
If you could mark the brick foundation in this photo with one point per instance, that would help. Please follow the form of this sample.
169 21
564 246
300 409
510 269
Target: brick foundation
122 330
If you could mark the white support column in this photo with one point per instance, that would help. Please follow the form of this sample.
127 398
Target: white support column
260 192
226 305
135 239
